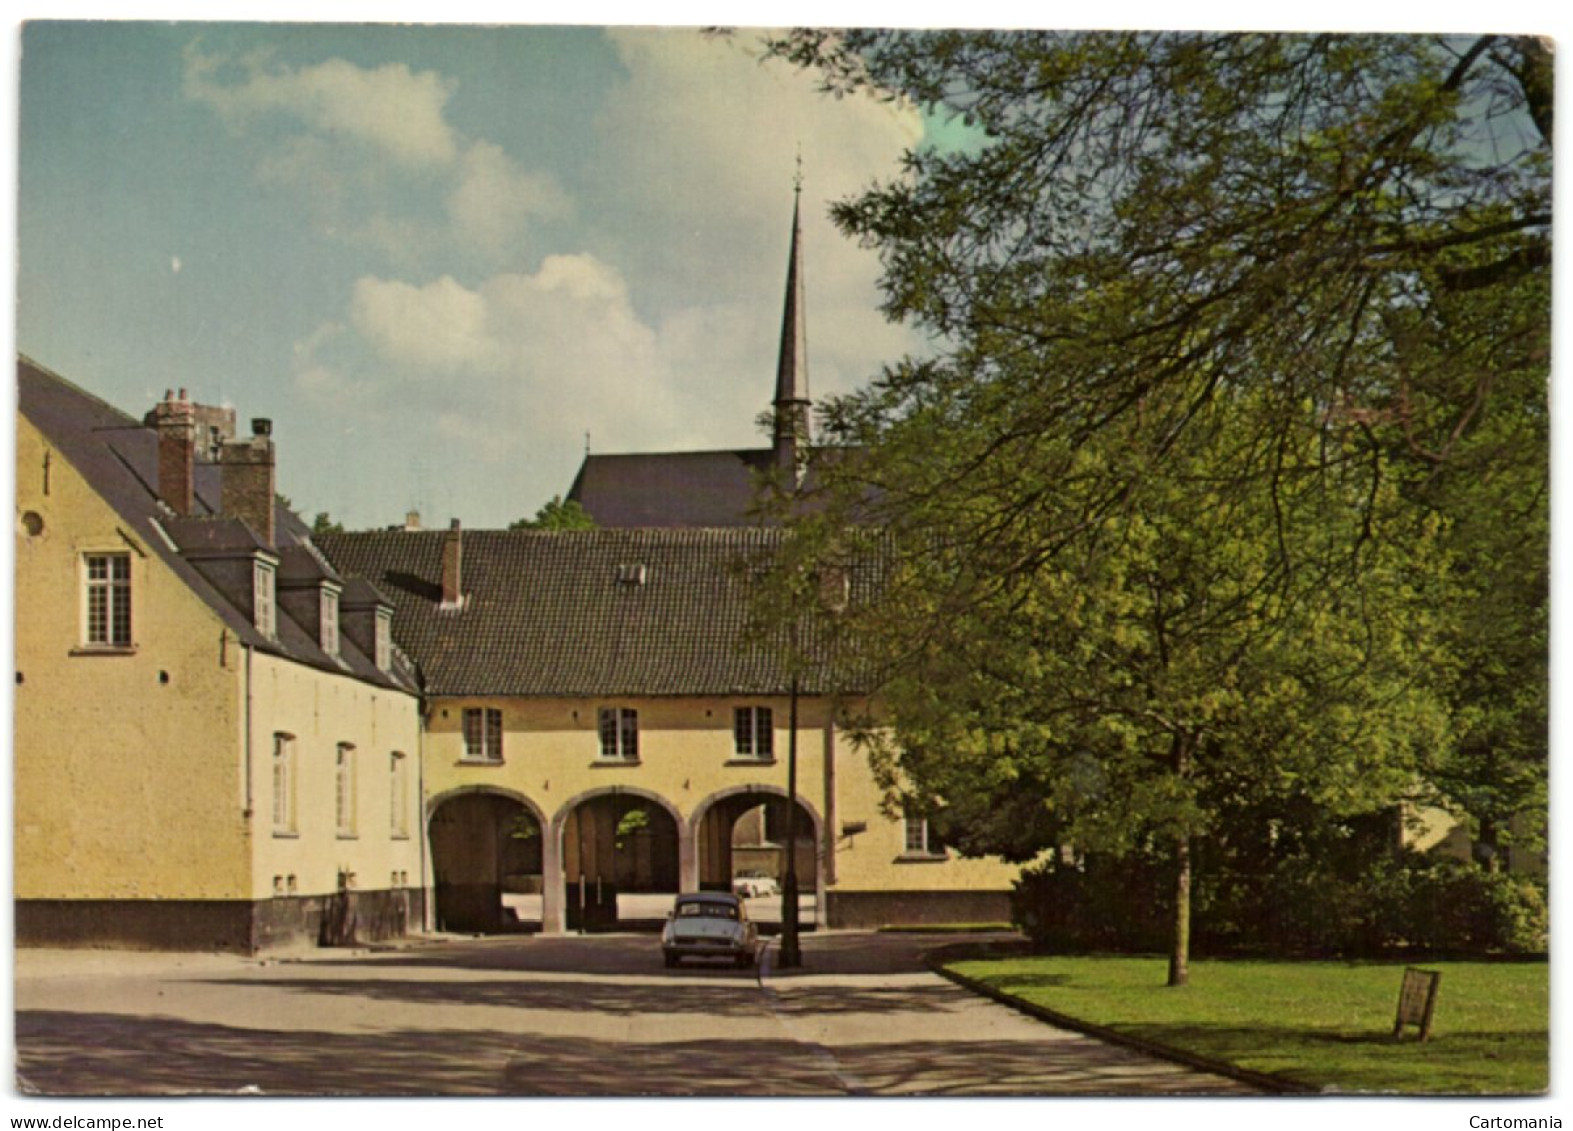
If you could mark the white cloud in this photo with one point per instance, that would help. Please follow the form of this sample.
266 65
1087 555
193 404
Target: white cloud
707 130
373 159
495 200
703 140
663 338
562 342
391 108
440 328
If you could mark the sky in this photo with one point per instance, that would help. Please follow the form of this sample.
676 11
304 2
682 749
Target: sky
441 259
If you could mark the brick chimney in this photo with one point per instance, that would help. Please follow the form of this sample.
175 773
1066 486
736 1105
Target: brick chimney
453 567
249 480
176 421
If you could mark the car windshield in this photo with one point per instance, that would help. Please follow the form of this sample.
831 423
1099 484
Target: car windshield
707 909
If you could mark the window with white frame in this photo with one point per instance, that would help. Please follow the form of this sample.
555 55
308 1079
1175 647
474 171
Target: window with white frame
752 733
619 734
107 597
482 734
262 595
328 615
920 839
344 790
383 643
398 795
284 785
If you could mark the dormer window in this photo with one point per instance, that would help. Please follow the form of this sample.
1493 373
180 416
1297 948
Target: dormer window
262 592
383 644
329 630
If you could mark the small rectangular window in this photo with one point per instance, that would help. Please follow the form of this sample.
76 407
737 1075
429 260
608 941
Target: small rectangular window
482 734
344 790
920 839
262 595
108 598
384 641
753 732
284 784
329 627
398 795
619 728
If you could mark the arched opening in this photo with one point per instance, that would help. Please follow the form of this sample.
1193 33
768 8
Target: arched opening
620 862
741 840
486 862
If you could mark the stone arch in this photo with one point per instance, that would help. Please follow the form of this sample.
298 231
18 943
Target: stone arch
488 859
495 790
724 852
621 850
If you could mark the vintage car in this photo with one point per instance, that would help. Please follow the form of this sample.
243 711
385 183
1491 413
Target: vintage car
751 885
709 924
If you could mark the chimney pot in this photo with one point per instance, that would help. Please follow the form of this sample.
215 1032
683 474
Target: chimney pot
261 426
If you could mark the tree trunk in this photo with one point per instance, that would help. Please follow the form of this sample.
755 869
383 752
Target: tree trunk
1180 953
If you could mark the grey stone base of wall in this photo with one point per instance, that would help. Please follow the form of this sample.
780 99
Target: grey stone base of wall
232 926
871 909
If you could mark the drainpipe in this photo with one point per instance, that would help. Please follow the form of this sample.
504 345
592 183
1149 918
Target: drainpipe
248 755
428 897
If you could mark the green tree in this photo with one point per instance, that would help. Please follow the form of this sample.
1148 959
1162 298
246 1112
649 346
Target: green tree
323 523
557 515
1180 500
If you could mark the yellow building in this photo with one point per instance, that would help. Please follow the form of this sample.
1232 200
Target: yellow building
604 730
217 745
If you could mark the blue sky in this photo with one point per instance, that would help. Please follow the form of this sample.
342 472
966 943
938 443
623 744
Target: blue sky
438 256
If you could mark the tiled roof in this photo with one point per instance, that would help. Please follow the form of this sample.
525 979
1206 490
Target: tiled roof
118 456
561 613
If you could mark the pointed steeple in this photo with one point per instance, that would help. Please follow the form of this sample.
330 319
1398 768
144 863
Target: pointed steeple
792 406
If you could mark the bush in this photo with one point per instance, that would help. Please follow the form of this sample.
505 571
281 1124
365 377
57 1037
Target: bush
1459 908
1099 904
1301 905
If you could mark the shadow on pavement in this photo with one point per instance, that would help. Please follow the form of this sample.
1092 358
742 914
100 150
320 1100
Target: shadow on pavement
100 1054
103 1054
607 997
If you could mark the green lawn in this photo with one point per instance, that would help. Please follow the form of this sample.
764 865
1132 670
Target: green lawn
1326 1024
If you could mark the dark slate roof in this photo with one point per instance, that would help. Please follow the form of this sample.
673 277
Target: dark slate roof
211 534
546 614
686 489
118 456
303 564
695 489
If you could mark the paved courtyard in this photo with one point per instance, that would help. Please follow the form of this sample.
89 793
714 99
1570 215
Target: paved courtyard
548 1016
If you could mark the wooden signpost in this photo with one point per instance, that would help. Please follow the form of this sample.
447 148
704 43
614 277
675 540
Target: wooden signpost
1417 1001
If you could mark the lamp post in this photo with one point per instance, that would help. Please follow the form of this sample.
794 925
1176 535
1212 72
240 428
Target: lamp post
791 953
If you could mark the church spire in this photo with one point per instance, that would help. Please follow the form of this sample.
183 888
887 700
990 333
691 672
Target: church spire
792 405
